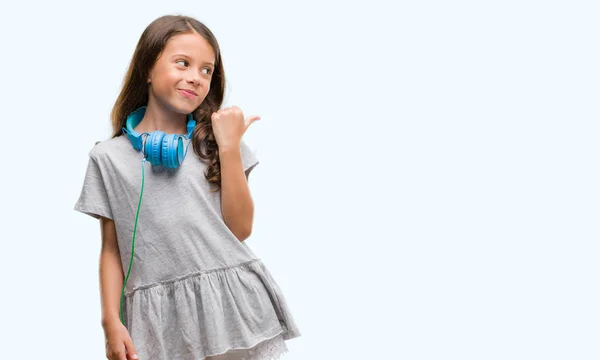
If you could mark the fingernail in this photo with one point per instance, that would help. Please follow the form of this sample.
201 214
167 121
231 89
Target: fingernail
134 356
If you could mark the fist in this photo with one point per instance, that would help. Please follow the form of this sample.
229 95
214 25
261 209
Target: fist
229 126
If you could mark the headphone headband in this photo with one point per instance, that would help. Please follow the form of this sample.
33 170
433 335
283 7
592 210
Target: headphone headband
135 118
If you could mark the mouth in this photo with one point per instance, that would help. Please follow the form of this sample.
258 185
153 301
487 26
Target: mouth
188 93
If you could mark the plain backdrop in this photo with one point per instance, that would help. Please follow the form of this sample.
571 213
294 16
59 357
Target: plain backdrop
428 185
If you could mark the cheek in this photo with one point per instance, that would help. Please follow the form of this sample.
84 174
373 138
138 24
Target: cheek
205 90
172 77
165 84
167 78
206 85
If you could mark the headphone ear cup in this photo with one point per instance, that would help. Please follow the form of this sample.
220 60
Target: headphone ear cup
153 147
172 146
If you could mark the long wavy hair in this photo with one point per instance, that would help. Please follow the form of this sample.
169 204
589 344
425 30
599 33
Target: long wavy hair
134 92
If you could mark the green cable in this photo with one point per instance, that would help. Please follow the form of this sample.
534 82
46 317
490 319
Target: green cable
132 243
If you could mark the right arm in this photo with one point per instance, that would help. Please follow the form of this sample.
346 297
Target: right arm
118 341
111 273
94 201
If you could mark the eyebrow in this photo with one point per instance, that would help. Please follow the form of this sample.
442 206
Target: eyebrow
184 55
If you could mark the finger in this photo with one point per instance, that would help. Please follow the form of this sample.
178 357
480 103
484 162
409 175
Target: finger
251 119
237 110
214 116
113 353
122 355
117 355
131 353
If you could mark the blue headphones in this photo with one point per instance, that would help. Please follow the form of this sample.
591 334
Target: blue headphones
160 148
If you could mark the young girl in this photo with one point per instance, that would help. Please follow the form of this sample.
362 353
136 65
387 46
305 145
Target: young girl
177 280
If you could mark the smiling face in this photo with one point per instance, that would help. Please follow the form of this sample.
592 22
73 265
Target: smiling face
180 78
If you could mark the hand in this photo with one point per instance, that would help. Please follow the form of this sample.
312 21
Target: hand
118 343
229 125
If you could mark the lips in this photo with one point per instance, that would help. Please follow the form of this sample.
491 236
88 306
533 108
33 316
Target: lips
188 93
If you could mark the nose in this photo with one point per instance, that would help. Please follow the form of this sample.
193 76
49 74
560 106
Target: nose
193 78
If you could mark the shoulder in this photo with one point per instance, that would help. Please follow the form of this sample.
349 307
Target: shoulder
106 149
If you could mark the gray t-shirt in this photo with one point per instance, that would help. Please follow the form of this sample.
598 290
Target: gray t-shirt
194 289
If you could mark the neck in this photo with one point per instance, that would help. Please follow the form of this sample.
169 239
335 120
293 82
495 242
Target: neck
158 117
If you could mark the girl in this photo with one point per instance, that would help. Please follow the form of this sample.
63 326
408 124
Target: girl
193 289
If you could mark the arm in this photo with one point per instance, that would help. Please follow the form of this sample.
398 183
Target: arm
236 202
111 273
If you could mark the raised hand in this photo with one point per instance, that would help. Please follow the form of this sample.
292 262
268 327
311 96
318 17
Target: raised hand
229 126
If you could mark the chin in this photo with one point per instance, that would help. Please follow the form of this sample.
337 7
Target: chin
184 108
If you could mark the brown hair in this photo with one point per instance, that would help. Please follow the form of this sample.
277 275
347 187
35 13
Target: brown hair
134 92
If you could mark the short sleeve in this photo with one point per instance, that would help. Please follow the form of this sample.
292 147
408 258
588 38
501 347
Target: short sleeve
249 159
93 199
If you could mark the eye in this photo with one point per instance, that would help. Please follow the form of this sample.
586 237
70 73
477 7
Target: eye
182 61
209 71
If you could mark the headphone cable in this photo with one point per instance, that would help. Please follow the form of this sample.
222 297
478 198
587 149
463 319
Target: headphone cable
132 242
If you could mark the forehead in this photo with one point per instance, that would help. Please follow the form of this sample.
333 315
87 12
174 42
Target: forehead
192 45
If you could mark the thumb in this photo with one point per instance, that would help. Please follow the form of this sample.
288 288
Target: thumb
131 352
251 119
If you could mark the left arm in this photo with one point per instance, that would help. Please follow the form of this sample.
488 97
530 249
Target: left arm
237 206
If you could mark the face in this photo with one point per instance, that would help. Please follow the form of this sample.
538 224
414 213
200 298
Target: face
180 78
